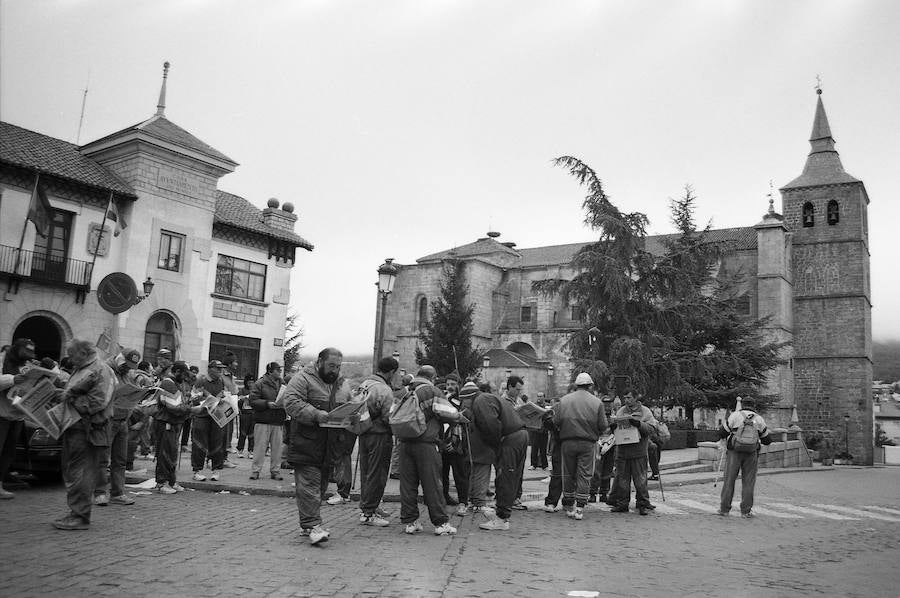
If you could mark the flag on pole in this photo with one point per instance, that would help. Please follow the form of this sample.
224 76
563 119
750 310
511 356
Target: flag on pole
116 217
40 212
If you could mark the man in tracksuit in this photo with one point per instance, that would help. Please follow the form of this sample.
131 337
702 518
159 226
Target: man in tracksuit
375 444
206 436
581 420
496 431
631 458
313 449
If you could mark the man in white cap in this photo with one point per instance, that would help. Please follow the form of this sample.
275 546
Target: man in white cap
580 419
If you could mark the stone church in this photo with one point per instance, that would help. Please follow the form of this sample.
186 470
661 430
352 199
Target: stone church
807 270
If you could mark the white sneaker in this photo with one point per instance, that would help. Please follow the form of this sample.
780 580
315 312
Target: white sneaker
495 524
177 487
551 508
337 499
570 513
165 489
318 534
199 477
412 528
215 476
445 530
579 514
462 509
374 520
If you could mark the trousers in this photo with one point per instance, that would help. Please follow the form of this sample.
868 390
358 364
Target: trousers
374 461
420 463
111 471
628 471
510 466
578 461
206 442
167 438
80 463
746 464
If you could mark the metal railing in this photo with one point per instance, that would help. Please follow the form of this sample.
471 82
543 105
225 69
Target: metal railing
41 267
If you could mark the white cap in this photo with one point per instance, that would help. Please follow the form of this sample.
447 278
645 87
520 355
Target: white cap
583 379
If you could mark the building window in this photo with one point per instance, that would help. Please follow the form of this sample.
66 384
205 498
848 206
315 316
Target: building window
240 278
170 251
421 313
833 213
742 305
526 314
161 331
809 215
246 349
577 313
52 251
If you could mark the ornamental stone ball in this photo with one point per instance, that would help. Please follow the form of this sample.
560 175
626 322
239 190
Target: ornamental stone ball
288 207
273 202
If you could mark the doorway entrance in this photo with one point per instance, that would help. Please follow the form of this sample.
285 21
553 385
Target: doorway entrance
47 337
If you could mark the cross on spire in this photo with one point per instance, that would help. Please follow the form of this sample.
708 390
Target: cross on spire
818 84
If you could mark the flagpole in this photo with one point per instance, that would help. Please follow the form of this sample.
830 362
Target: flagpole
37 180
100 238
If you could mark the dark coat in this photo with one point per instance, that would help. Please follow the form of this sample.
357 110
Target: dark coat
493 419
265 391
305 397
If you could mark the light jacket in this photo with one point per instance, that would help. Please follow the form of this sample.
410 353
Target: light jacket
580 416
380 399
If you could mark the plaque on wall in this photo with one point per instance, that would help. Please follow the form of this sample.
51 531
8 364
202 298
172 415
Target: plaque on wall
94 235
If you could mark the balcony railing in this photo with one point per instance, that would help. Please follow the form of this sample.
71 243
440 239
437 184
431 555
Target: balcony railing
41 267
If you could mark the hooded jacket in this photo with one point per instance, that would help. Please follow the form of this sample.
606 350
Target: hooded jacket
381 398
493 418
306 395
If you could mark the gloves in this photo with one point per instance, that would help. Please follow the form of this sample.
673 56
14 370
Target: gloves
321 416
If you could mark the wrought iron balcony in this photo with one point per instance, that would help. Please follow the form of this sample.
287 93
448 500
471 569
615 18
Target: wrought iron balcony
21 264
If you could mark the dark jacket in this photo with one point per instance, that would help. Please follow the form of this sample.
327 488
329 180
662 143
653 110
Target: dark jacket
493 419
647 427
207 387
265 391
173 415
426 393
306 395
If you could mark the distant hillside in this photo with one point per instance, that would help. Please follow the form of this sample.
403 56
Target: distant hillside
886 360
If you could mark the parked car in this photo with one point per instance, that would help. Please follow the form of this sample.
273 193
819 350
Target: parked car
38 453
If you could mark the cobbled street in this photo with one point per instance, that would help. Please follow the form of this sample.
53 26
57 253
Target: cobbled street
825 533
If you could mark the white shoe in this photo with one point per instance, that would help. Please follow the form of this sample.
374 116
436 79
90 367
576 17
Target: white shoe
337 499
579 514
373 520
445 530
551 508
199 477
570 513
215 476
462 509
495 524
165 489
412 528
318 534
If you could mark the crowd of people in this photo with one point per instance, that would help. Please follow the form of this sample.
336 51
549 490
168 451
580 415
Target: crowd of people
419 429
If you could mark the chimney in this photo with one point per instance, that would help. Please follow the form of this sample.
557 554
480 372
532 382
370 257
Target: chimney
283 218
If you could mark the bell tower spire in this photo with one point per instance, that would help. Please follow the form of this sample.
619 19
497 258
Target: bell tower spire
161 105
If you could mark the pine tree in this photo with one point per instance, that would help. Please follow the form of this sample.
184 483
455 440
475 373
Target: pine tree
293 340
447 335
671 322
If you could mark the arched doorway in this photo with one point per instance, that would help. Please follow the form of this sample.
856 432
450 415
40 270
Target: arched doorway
47 337
522 349
161 331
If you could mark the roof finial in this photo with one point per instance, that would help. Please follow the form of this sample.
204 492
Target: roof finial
818 84
771 199
161 106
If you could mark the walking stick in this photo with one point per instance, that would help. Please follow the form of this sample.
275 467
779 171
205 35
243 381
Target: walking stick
355 469
719 467
661 491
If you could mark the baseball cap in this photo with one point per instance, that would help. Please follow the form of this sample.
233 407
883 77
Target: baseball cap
583 379
132 357
215 363
164 353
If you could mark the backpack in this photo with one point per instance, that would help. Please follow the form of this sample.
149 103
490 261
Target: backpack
662 433
407 420
746 438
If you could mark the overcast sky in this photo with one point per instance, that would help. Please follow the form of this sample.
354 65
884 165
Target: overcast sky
403 128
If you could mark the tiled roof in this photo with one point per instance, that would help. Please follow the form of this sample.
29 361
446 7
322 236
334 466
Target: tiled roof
483 246
165 130
501 358
236 211
34 151
743 238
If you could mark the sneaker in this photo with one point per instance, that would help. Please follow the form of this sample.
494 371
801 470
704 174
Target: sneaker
722 513
6 494
747 515
276 476
254 475
518 506
654 477
619 510
495 524
250 455
122 499
304 532
444 530
101 500
199 477
570 513
215 476
228 464
373 520
242 455
643 510
177 487
462 509
551 508
318 534
382 513
165 489
337 499
231 450
579 514
71 522
412 528
531 468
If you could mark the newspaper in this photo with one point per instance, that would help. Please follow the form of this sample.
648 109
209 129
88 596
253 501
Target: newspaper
38 404
344 415
128 396
33 375
221 409
532 415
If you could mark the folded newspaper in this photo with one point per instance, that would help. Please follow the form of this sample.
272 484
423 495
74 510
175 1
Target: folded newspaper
345 415
532 415
33 375
43 406
221 409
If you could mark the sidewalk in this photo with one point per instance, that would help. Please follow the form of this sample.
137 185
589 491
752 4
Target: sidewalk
534 483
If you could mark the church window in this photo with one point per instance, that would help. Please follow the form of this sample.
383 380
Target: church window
577 313
833 213
161 331
526 314
809 215
421 312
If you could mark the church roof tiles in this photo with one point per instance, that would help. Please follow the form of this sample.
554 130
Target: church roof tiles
233 210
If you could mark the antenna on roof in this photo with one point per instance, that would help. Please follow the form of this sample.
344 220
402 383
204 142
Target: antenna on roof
818 84
83 102
161 106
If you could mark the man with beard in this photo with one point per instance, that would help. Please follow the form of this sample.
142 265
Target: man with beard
89 392
15 360
111 476
313 449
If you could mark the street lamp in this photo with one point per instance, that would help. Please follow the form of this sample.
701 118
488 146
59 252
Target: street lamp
486 362
148 288
847 435
387 274
550 370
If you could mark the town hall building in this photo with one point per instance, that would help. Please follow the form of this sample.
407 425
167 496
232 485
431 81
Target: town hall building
807 271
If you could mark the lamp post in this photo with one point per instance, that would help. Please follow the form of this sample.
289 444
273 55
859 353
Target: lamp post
550 373
387 274
148 288
846 435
